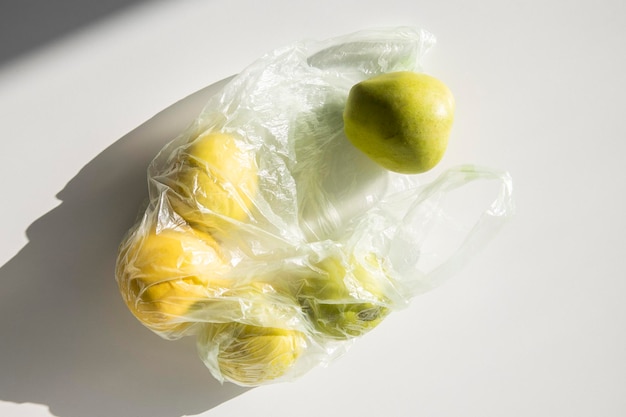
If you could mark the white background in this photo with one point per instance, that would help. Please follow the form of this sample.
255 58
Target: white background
534 326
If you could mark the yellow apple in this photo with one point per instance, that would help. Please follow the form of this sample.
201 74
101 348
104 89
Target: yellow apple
249 355
213 181
163 275
401 120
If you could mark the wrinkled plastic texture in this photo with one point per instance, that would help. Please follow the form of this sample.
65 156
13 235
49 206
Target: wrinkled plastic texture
276 243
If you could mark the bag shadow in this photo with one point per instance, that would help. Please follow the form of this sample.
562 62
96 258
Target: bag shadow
67 339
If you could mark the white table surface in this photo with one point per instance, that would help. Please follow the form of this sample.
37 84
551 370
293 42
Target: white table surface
534 326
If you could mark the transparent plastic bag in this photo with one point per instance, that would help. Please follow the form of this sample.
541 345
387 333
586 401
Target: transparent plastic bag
276 243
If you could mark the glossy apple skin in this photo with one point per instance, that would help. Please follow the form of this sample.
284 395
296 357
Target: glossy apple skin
401 120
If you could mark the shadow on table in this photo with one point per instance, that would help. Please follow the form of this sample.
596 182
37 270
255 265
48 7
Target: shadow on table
66 338
26 25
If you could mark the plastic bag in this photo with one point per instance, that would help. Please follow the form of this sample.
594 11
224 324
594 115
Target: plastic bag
272 240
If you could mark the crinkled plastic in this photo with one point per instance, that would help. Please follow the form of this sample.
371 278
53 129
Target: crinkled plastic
275 242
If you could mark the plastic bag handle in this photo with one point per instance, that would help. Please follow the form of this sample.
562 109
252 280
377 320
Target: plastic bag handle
484 229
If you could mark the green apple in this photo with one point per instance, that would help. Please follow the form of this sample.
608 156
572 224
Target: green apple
343 300
249 355
401 120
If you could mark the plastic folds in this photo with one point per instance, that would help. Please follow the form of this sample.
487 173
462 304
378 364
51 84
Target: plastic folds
276 243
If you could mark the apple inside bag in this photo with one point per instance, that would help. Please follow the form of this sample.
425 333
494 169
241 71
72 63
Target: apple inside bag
274 241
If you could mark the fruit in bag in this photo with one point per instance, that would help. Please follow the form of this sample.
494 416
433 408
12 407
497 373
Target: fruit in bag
343 299
249 354
212 182
164 274
272 238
